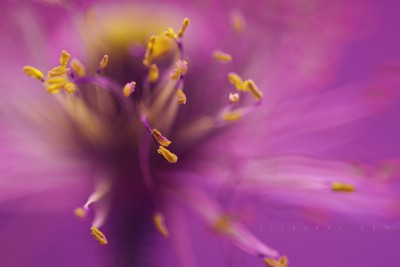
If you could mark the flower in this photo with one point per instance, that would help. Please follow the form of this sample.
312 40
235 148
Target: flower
159 113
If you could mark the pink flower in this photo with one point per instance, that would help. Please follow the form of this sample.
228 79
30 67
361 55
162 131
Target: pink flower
156 112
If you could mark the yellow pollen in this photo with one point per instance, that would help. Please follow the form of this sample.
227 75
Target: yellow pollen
185 24
70 88
78 67
80 212
159 222
233 97
253 89
55 88
33 72
104 62
179 70
129 88
64 58
99 236
231 116
282 262
169 156
223 224
149 51
153 73
57 71
162 140
56 80
170 33
181 97
237 81
222 57
341 187
238 22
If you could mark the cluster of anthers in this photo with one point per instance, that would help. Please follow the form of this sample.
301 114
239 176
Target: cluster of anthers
70 74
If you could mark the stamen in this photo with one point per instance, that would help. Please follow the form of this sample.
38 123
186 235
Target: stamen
233 97
99 236
237 81
169 156
223 224
253 89
80 212
149 51
185 24
129 88
78 67
231 116
170 33
64 58
57 71
56 80
222 56
162 140
282 262
238 22
181 97
102 189
179 70
70 88
33 72
153 73
104 62
159 222
55 88
342 187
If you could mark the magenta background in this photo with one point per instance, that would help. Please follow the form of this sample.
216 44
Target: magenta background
60 240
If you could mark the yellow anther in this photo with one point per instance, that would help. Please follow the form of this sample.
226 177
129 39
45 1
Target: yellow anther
33 72
253 89
153 73
231 116
223 224
282 262
104 62
149 51
64 58
168 155
222 57
129 88
237 81
57 71
78 67
99 236
341 187
80 212
159 222
179 69
233 97
162 140
181 97
70 88
170 33
185 24
55 88
56 80
238 22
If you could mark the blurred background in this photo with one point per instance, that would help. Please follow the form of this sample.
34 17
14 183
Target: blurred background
58 239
